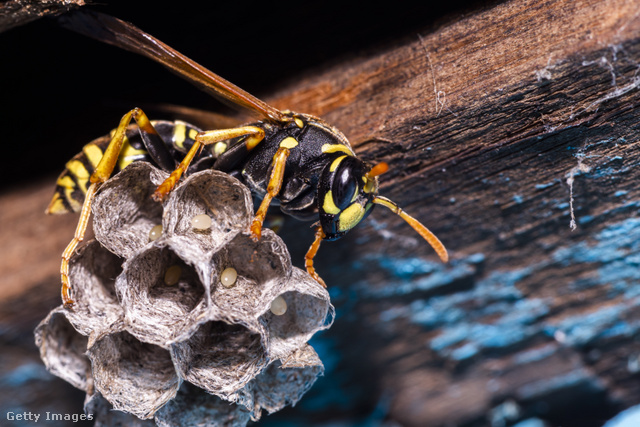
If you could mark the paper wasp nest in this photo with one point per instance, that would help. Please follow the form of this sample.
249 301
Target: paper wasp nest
156 331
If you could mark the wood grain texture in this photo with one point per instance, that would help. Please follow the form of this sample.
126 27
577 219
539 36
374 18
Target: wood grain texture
498 128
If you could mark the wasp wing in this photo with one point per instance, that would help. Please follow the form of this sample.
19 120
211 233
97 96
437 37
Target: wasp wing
200 118
129 37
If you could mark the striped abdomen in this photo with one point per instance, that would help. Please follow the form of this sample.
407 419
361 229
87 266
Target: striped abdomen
73 182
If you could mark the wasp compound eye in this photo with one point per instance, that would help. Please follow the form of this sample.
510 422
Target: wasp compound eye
344 187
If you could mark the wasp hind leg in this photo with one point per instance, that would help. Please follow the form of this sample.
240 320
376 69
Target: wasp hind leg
254 135
78 237
100 175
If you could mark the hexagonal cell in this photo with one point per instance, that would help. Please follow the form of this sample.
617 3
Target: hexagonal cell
62 349
262 261
305 315
308 311
92 274
195 407
221 197
259 266
124 212
135 377
281 383
162 295
220 358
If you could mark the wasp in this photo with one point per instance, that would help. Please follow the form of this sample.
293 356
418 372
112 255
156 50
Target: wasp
298 160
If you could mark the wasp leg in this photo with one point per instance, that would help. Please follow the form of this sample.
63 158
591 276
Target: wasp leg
255 136
101 174
151 139
273 188
311 253
78 237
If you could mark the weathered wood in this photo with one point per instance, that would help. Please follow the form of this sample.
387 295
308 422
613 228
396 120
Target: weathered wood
500 129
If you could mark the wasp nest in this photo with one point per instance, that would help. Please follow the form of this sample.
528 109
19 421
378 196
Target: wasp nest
180 317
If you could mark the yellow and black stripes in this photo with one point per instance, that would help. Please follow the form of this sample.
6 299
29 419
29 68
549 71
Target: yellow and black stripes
175 138
73 183
182 136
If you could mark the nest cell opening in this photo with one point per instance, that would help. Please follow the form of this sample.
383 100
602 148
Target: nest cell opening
236 296
161 294
104 414
93 271
164 283
193 405
220 357
278 387
124 212
261 261
63 349
217 196
178 283
259 268
133 376
305 314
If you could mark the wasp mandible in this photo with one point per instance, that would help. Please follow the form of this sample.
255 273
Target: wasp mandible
298 159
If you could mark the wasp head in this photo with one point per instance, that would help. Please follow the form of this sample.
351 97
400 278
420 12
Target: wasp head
348 190
346 193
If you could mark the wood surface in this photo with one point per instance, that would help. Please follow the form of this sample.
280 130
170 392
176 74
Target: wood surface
502 128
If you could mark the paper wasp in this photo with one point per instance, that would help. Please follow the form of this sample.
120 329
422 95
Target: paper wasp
304 163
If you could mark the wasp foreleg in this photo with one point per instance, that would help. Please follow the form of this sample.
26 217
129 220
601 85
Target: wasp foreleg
311 253
273 188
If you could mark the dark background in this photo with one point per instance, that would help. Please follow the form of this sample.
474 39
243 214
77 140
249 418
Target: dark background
61 90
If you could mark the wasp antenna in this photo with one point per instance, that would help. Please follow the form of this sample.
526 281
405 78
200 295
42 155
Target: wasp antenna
378 169
423 231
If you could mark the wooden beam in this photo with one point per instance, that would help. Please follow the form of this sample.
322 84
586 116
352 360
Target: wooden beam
502 130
